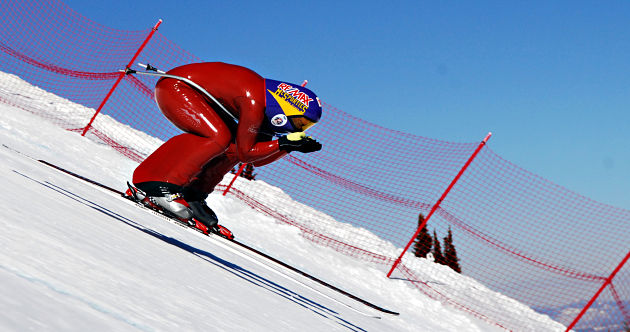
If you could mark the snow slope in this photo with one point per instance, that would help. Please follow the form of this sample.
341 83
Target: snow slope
75 257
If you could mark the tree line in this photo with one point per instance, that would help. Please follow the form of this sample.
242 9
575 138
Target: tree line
425 244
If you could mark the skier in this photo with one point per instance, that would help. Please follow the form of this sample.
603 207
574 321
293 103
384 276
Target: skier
181 173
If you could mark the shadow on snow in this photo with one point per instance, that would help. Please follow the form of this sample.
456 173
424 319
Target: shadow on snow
227 266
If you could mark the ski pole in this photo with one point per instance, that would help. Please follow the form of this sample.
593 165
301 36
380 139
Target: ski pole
159 73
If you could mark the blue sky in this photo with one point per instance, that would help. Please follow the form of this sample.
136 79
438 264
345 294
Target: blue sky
551 80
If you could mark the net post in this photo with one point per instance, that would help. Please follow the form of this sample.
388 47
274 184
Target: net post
120 77
439 201
599 291
237 174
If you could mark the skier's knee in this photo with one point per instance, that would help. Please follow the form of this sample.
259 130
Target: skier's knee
223 142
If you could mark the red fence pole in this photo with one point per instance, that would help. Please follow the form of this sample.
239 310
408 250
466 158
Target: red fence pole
120 77
601 289
240 170
437 204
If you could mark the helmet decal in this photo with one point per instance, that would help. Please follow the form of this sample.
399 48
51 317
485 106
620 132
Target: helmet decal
290 106
285 100
279 120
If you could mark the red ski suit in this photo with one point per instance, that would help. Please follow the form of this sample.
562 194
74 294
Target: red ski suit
212 143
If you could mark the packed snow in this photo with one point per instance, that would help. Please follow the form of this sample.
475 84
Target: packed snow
75 257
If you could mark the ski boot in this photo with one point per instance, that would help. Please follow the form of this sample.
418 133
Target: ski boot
141 197
194 213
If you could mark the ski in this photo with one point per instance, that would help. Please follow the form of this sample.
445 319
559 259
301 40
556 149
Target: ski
226 235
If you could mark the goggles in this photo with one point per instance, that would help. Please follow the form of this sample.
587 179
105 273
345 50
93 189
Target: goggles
301 123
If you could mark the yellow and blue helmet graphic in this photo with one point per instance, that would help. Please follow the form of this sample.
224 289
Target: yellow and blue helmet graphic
284 101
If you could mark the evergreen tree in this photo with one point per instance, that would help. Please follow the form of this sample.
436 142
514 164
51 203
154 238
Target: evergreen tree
437 250
450 254
423 243
248 172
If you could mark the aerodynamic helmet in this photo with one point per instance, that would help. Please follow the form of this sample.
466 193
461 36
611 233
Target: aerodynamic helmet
285 103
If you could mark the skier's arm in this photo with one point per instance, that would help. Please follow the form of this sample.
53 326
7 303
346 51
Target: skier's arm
247 148
273 157
291 142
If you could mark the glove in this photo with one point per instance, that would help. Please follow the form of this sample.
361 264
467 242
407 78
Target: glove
298 142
